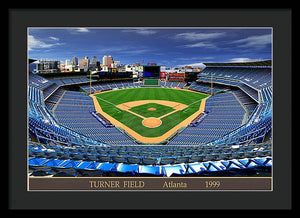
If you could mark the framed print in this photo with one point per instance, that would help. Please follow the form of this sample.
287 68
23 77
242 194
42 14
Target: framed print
150 107
93 117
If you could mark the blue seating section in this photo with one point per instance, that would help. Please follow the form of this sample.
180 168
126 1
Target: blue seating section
247 89
255 77
75 111
43 125
257 127
49 90
253 133
267 94
56 95
224 115
159 154
206 88
250 91
218 81
34 95
71 81
54 98
150 160
172 84
88 168
74 142
36 106
47 130
101 86
38 81
248 102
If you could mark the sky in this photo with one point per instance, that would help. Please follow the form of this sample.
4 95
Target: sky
172 47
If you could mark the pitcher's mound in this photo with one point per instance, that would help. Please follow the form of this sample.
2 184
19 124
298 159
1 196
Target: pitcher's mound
151 109
152 122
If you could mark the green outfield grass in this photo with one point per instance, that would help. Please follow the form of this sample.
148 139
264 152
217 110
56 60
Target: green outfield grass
160 110
109 100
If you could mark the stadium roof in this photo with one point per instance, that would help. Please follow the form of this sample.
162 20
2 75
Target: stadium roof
256 63
31 60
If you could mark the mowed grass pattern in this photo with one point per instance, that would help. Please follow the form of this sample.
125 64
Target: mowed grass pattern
160 110
111 99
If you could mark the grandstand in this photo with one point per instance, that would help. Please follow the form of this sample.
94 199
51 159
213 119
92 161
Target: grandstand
68 137
74 111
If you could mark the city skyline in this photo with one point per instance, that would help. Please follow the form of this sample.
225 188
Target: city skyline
164 46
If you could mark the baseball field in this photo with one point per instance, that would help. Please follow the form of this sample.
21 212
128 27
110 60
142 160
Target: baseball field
150 114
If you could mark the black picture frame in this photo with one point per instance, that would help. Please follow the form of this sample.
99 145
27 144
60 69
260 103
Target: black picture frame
278 19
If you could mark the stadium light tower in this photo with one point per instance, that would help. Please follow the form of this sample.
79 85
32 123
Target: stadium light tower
211 89
90 82
211 84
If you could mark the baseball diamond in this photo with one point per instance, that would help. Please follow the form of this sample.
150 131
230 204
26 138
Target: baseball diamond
128 109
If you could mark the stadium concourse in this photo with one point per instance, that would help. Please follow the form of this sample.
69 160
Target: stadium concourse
67 137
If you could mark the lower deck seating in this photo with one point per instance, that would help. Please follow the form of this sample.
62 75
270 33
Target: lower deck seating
172 84
145 160
101 86
224 115
54 98
75 111
247 102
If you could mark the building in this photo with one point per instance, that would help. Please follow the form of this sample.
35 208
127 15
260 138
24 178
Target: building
95 65
104 68
67 62
62 67
84 65
197 69
48 66
128 68
107 60
94 60
113 65
117 63
75 61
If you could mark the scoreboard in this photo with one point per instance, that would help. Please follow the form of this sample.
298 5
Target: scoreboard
176 77
151 71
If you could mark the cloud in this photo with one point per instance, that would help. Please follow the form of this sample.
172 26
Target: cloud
78 30
82 30
126 50
34 43
112 49
54 38
138 51
193 65
238 60
193 58
141 31
254 41
193 36
200 45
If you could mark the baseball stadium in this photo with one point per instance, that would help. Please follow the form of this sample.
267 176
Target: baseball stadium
217 124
